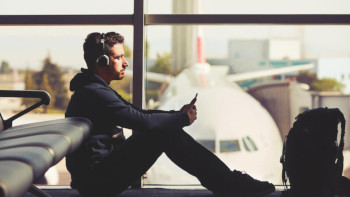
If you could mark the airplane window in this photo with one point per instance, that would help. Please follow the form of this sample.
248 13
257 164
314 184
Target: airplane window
229 146
209 144
252 143
249 144
245 145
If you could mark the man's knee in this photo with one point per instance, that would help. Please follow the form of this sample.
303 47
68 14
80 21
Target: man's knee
167 136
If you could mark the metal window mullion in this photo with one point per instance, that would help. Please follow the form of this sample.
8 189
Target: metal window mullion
212 19
171 19
138 62
66 19
138 54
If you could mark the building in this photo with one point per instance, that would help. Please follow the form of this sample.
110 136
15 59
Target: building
284 101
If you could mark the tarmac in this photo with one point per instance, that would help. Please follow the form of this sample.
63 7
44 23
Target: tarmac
144 192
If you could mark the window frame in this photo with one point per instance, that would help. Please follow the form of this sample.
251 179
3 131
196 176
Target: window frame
139 20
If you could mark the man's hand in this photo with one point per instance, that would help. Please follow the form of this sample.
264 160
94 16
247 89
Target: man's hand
191 110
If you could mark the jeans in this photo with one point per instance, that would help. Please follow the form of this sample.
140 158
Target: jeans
139 152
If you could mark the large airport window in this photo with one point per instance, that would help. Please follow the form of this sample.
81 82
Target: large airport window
251 80
243 86
29 53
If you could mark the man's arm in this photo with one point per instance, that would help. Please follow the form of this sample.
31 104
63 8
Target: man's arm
148 111
126 115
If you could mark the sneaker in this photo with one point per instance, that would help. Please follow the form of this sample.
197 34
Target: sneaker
246 186
343 186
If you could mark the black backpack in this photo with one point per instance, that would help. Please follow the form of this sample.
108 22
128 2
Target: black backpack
312 159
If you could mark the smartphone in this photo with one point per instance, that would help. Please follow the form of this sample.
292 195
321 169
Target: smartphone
194 99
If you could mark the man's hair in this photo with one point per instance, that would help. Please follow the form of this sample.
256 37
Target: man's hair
93 47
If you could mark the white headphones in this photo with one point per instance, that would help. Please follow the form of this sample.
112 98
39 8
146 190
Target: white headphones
103 60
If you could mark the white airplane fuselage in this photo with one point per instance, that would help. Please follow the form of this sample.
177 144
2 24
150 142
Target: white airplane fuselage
230 122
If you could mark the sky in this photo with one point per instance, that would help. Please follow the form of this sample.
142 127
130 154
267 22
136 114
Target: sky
27 46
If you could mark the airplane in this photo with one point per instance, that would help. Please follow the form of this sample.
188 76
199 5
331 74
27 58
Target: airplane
230 122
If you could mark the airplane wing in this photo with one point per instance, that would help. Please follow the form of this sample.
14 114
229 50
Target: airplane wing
155 77
161 78
270 72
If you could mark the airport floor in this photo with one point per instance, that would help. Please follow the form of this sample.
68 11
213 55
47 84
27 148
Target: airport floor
145 192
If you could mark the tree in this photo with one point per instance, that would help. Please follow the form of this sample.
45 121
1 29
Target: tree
28 80
127 51
5 67
30 84
50 80
45 85
54 75
123 87
327 84
162 64
147 48
306 77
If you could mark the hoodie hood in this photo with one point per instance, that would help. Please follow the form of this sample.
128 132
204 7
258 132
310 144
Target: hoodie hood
84 78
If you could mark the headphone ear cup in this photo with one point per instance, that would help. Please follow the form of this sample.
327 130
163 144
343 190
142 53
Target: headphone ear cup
103 60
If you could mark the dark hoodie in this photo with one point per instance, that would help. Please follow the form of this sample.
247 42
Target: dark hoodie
109 112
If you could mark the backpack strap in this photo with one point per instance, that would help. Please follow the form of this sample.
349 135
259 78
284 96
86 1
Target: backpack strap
340 156
283 162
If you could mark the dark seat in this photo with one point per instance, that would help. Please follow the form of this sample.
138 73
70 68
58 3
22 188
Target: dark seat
28 151
75 129
37 147
57 145
38 158
16 178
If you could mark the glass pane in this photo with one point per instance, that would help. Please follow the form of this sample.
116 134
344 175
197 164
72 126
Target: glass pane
227 146
209 144
246 88
26 50
38 7
247 7
249 144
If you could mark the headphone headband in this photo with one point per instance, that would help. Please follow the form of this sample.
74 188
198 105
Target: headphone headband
103 60
103 41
